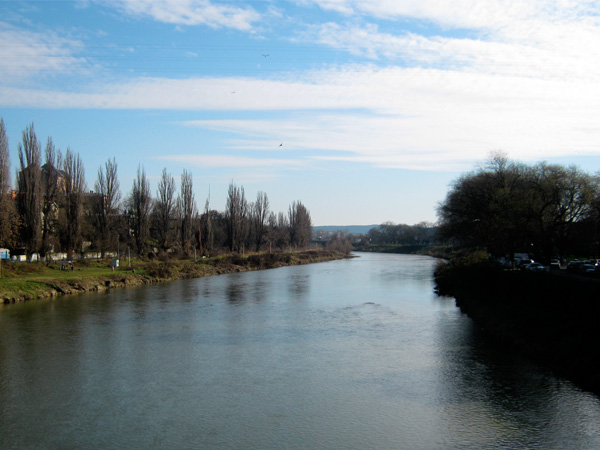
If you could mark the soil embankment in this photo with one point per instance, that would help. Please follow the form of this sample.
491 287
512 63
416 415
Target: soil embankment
551 317
43 281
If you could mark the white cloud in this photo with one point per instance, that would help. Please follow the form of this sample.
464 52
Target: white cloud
490 15
528 85
26 54
395 117
542 50
191 12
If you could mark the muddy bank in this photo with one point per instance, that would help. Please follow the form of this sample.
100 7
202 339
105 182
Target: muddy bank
550 317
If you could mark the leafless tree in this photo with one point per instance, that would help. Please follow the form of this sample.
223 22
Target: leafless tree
4 160
207 226
164 208
236 212
51 186
30 190
74 190
300 225
278 230
259 212
8 213
107 203
187 211
140 206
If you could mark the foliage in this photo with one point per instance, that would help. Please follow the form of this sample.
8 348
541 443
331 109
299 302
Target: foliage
507 207
401 234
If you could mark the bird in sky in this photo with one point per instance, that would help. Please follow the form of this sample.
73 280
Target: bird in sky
281 145
265 54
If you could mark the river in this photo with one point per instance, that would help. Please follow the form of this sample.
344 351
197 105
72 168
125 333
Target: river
351 354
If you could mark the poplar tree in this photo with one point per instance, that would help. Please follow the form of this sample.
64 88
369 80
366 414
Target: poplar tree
51 185
107 203
140 202
236 214
74 189
8 212
164 208
259 218
300 225
30 190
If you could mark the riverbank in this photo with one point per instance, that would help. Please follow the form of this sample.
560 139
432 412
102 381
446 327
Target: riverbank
23 282
548 316
436 251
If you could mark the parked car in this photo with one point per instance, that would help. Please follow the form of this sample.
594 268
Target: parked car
586 268
535 267
574 265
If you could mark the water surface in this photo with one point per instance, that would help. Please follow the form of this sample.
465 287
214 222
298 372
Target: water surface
353 354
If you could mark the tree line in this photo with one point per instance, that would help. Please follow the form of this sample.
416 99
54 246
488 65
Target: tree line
388 233
52 210
507 207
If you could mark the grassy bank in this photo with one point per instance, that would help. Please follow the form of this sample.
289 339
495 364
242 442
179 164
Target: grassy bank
23 281
551 317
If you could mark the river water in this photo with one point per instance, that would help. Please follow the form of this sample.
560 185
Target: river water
353 354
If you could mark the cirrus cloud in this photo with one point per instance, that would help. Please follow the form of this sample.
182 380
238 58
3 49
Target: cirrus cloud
26 54
191 12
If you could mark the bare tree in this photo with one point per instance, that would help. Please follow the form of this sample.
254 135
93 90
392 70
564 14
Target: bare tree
30 190
187 211
51 177
74 189
300 225
164 208
236 212
8 213
107 203
207 226
271 234
140 206
4 160
282 230
259 212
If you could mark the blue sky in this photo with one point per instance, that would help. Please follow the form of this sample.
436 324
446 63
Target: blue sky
365 110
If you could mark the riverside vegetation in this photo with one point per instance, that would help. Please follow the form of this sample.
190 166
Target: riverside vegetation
548 212
28 281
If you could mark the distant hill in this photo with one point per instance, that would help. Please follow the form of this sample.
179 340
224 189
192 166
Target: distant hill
351 229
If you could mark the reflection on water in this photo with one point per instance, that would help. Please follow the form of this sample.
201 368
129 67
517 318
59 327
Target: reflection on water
351 354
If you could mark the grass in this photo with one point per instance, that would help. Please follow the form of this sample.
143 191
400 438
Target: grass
24 281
